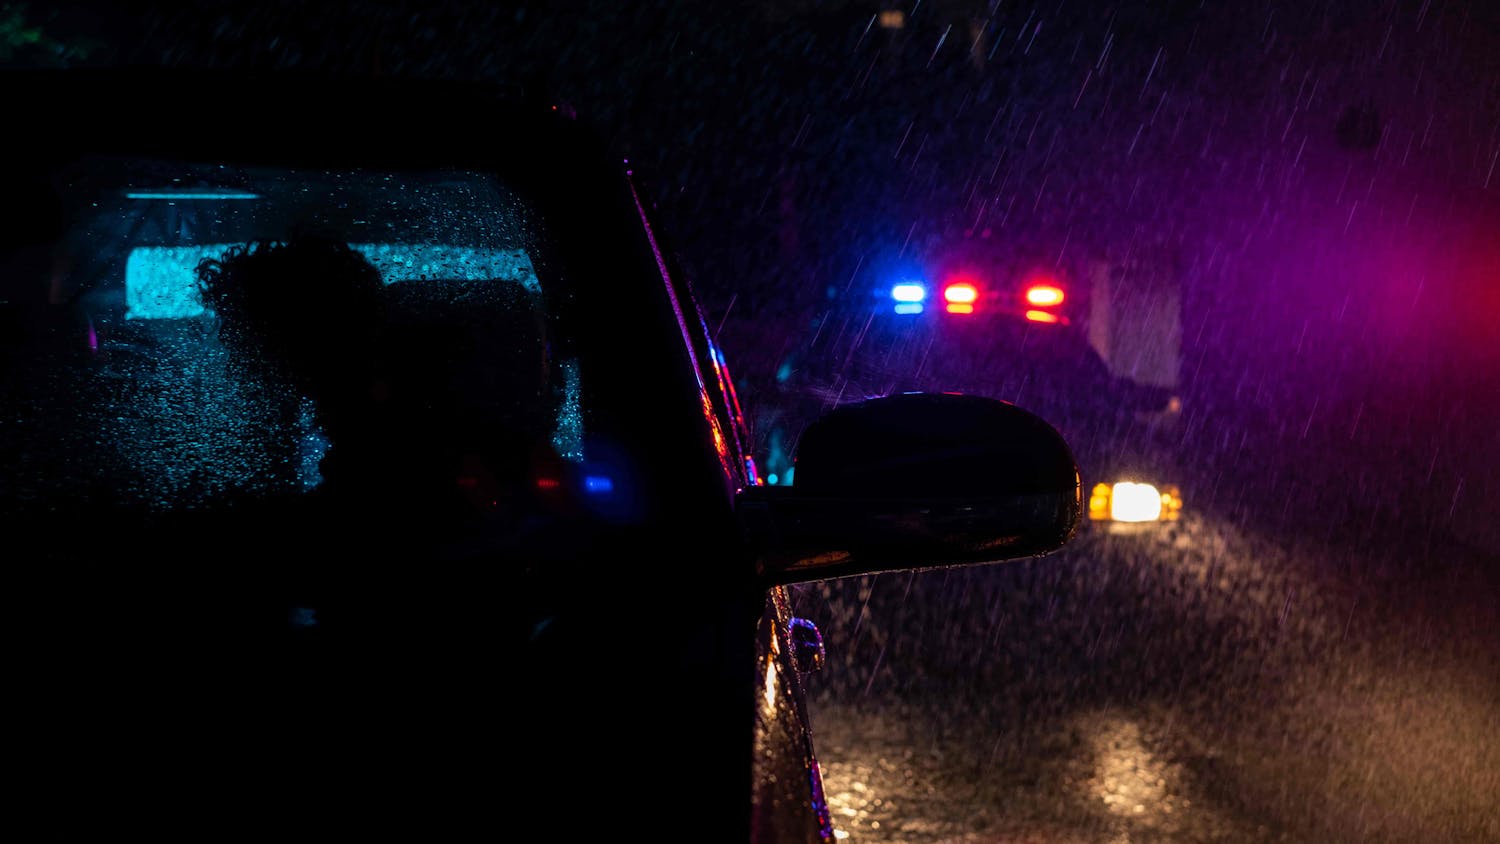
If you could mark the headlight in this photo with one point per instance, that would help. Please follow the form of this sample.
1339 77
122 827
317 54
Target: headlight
1129 501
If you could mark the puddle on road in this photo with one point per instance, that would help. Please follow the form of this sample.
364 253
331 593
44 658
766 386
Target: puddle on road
1128 778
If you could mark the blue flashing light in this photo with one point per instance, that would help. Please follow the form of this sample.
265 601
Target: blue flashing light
908 307
773 479
909 291
598 485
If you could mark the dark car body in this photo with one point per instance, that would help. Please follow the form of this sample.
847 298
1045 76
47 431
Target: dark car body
548 599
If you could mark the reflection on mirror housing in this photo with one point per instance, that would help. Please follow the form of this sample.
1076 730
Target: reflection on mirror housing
916 480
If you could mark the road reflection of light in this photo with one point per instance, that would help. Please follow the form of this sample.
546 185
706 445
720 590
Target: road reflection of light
884 792
849 805
1128 778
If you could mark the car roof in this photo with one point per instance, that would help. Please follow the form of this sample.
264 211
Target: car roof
283 114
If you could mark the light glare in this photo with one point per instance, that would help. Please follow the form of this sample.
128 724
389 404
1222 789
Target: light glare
908 292
187 194
1133 502
770 684
1044 295
963 293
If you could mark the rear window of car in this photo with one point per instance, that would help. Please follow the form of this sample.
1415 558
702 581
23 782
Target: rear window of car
123 386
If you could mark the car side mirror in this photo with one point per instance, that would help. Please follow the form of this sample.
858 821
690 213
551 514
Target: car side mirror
916 480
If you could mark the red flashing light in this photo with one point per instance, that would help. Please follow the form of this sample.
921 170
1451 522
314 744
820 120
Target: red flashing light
1044 295
960 293
960 297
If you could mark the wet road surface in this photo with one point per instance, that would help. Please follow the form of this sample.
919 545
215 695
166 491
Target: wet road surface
1209 682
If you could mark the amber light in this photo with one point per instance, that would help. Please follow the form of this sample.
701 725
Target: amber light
1134 502
1099 503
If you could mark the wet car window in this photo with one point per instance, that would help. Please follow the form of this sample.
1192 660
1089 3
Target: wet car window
176 421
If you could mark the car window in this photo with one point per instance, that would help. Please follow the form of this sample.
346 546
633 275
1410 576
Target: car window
174 419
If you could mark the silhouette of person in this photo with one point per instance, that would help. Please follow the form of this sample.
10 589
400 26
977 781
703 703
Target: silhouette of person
313 315
306 314
385 619
420 470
